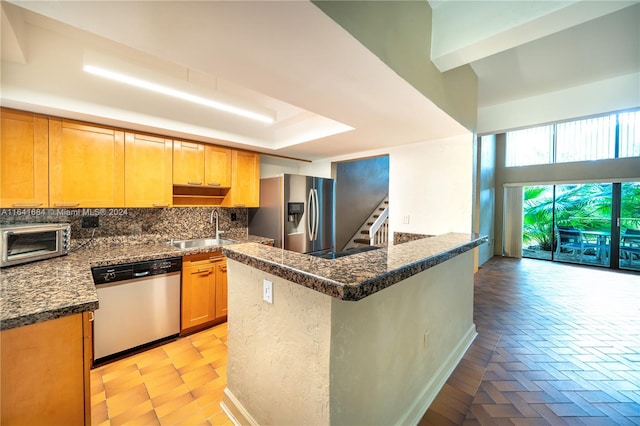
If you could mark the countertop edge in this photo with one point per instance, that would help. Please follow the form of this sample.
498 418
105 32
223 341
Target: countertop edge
91 257
35 318
351 292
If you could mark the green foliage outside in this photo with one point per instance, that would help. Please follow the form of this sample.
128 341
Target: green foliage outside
586 207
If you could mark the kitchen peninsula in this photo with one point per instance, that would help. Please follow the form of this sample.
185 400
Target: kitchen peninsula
363 339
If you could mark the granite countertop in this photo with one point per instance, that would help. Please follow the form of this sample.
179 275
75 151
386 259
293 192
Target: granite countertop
54 288
360 275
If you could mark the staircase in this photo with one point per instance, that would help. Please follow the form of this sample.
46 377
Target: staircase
375 230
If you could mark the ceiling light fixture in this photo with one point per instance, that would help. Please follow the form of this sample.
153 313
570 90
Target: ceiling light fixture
174 93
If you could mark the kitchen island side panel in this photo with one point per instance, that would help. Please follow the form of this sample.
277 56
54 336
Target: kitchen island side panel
392 352
278 354
310 358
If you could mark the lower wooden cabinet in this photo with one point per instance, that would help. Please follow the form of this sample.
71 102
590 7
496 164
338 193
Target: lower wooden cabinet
45 373
221 290
204 290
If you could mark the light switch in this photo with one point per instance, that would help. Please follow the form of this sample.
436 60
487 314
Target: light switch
267 291
405 219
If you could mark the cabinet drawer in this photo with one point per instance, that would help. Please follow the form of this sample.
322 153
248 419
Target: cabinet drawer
202 259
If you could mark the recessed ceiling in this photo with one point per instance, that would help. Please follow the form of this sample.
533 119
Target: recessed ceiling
330 95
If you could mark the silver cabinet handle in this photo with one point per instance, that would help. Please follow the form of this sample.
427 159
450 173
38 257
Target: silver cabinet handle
66 204
194 183
213 184
160 205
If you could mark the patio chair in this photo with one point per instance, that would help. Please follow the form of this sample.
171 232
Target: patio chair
571 241
630 246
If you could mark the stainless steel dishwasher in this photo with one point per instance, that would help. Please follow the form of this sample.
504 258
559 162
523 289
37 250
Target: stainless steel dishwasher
139 305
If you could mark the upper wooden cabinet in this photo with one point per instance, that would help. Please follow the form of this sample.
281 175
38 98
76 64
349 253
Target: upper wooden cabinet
217 166
147 171
86 167
245 180
188 163
24 159
201 165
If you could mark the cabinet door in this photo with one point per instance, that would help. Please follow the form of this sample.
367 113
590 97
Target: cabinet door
188 163
221 289
217 166
245 180
198 295
86 166
24 160
42 376
147 171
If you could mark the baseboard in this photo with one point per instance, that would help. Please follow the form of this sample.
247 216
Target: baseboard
236 412
421 404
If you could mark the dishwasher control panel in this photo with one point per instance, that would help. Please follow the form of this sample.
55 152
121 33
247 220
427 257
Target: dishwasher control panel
136 270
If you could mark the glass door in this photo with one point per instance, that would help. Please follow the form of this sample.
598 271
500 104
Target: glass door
582 218
629 253
537 222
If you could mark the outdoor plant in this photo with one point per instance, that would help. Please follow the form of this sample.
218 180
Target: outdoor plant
586 207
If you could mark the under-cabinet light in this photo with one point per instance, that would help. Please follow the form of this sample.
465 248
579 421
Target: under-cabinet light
157 88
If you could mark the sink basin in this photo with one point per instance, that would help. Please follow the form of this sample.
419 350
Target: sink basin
200 242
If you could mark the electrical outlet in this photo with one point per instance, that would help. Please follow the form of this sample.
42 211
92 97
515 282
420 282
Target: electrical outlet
89 221
267 291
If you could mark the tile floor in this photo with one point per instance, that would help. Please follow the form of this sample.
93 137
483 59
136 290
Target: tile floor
557 345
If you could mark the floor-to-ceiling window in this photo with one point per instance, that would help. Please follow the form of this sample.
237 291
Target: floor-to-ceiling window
567 213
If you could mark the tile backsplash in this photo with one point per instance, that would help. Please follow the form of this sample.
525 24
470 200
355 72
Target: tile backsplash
117 225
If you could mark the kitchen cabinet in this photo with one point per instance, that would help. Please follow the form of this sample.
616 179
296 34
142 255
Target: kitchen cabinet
147 170
201 173
45 373
188 163
204 281
245 180
221 290
217 166
86 165
201 165
24 159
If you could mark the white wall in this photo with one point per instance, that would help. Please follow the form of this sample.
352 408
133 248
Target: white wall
432 183
274 166
590 99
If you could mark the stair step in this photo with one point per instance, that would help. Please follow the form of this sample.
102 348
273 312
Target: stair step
361 241
381 209
376 216
369 223
365 232
386 202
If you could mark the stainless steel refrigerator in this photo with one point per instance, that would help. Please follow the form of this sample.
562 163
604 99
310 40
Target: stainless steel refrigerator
297 212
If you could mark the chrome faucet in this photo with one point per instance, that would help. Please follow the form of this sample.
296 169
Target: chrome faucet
214 213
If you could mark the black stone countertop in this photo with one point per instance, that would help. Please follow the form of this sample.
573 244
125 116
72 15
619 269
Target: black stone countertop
54 288
360 275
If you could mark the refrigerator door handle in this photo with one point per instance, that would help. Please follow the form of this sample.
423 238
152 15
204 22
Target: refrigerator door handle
310 215
317 224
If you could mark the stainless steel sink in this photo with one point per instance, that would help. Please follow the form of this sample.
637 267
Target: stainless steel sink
201 242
